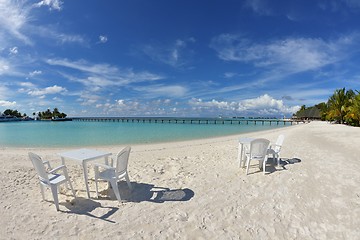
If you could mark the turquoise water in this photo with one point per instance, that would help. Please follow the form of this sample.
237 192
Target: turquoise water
77 134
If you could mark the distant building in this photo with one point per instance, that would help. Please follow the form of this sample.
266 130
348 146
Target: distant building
311 113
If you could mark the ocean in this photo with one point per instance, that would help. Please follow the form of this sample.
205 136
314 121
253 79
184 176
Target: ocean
80 134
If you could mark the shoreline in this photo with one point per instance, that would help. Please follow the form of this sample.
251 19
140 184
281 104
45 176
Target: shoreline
316 198
250 132
66 135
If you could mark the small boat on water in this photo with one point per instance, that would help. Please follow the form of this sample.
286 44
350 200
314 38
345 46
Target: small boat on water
9 118
57 119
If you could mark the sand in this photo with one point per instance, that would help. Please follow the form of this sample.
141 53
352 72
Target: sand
195 190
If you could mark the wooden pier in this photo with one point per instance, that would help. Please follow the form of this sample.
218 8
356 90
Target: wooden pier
187 120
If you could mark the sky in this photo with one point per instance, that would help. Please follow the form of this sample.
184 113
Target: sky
203 58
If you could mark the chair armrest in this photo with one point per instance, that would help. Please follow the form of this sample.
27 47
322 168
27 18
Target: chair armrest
47 163
103 166
111 162
270 151
58 168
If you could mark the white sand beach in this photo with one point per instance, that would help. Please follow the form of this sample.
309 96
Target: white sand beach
203 193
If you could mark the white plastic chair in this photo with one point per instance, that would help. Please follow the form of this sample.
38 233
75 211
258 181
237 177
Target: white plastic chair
50 179
276 148
258 151
114 174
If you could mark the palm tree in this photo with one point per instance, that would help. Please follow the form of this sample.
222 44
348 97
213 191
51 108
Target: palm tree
353 115
339 104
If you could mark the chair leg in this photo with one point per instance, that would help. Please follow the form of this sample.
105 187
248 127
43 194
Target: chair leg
71 187
54 190
116 189
274 156
264 165
42 191
96 188
239 155
247 165
278 159
128 181
68 183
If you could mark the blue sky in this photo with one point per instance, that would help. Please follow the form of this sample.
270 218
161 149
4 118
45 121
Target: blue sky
176 58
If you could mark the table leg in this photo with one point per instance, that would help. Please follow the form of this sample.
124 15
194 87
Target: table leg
63 163
107 163
242 154
239 154
86 178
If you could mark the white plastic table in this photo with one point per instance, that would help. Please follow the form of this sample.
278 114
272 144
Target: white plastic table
244 141
82 156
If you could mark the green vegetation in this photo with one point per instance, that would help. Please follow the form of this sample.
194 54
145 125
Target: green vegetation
14 113
342 107
49 115
46 115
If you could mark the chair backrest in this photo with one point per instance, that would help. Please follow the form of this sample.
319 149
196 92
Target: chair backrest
39 167
258 147
122 159
279 143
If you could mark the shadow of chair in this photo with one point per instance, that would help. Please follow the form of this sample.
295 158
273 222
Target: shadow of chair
85 206
286 161
149 192
278 164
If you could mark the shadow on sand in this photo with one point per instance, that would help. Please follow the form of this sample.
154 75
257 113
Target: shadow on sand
149 192
272 165
141 192
84 206
283 162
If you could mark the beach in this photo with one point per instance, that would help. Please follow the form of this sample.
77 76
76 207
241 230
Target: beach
196 190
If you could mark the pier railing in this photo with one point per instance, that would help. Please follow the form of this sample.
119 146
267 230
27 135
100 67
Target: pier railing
187 120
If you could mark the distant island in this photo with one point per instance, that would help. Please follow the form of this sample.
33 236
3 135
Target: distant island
48 115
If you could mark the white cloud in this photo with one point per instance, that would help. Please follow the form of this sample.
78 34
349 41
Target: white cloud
175 54
4 92
13 51
121 106
229 74
35 73
27 84
4 66
339 6
289 55
104 75
66 38
121 103
163 90
263 105
4 103
57 36
103 39
260 7
352 3
85 66
16 22
48 90
52 4
88 98
14 15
